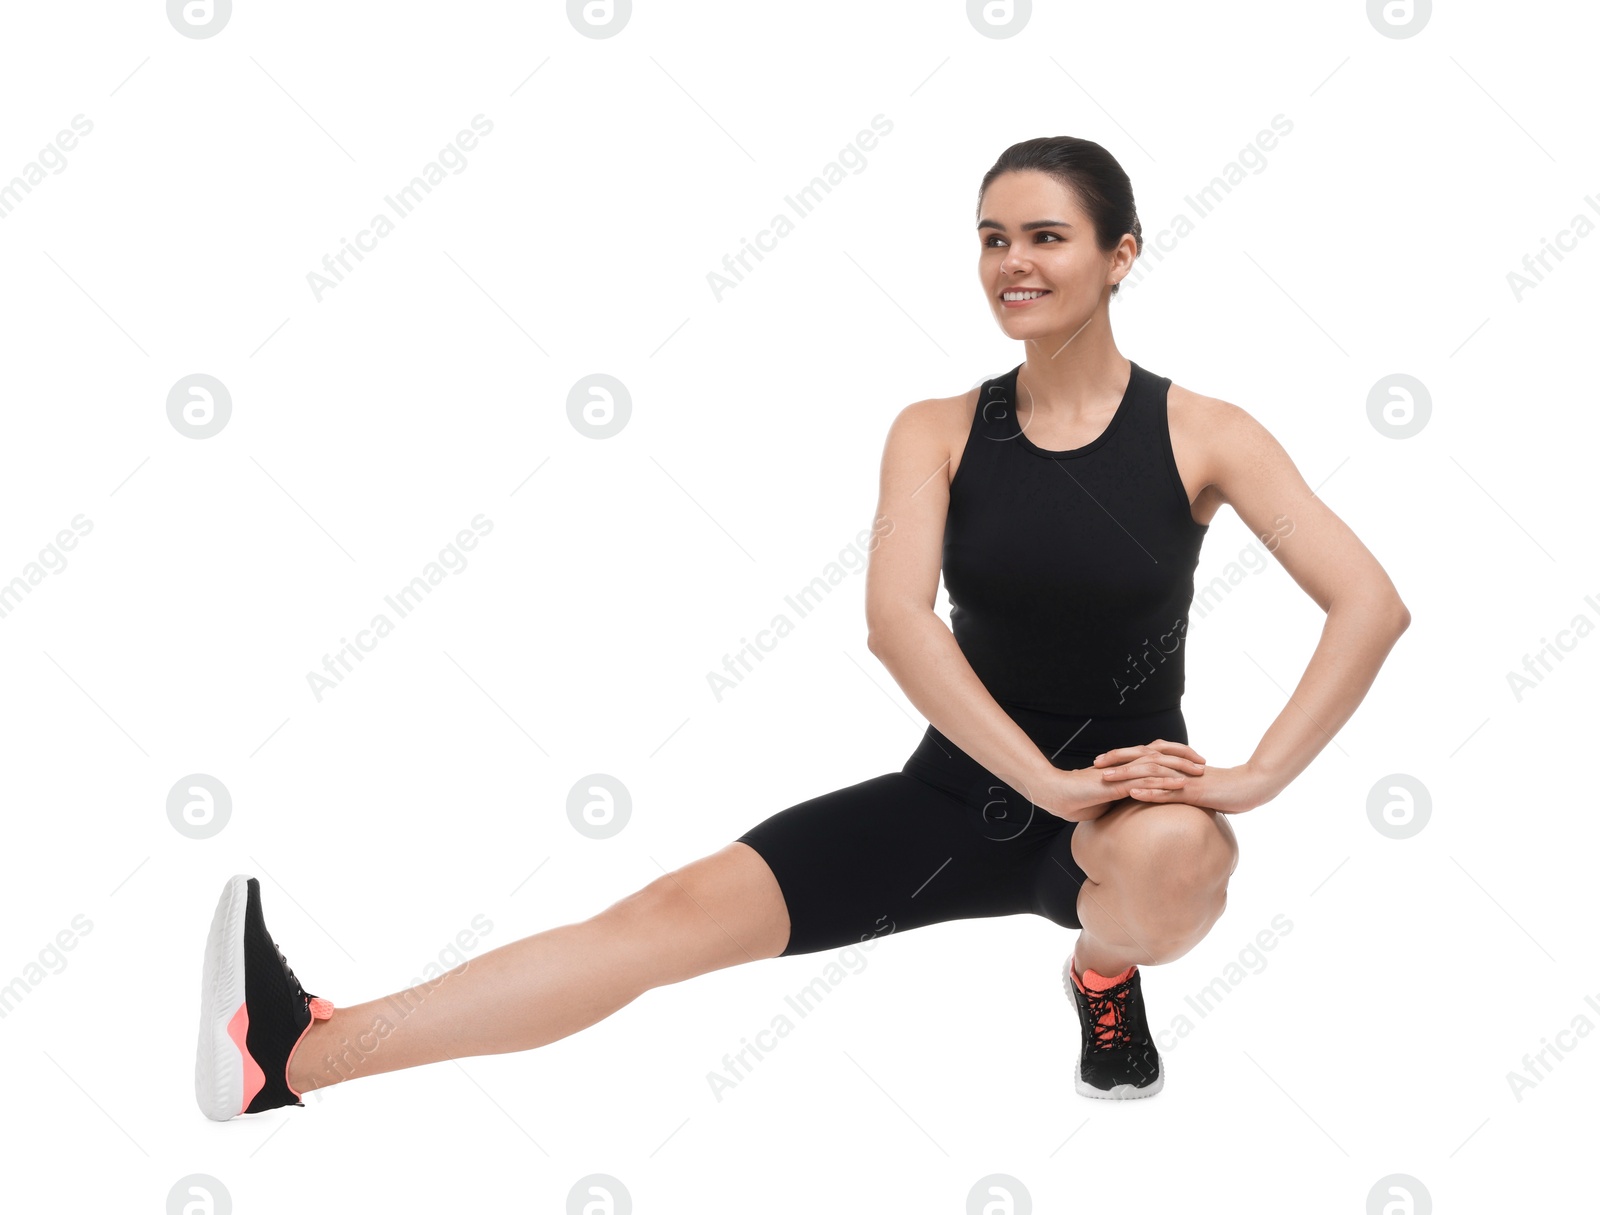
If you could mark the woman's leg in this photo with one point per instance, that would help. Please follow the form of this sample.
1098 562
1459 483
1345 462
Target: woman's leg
715 912
1157 881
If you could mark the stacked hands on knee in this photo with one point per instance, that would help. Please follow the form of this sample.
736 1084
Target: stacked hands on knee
1160 772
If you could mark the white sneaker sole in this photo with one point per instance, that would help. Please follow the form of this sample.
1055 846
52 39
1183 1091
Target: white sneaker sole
1117 1092
219 1065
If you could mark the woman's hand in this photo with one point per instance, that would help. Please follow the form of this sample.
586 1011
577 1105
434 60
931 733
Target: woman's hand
1227 790
1159 771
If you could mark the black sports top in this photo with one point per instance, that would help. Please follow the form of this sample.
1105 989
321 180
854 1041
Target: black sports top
1070 573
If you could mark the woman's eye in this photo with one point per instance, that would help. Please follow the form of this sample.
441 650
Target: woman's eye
995 241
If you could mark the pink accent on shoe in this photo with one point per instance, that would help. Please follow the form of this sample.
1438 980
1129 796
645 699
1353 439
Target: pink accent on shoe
254 1078
1093 980
321 1010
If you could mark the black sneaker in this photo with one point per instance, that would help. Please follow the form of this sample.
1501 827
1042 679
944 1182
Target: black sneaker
253 1012
1119 1058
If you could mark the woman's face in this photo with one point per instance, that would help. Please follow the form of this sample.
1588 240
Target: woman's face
1034 238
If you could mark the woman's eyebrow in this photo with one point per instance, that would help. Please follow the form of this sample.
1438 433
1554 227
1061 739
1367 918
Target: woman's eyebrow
1027 227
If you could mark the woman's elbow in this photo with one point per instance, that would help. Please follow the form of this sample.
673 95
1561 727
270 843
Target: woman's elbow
1379 608
877 636
1396 614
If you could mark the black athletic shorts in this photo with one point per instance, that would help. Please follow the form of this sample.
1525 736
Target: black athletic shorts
941 839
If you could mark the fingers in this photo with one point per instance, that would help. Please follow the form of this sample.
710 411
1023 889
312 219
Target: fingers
1178 748
1151 779
1166 780
1162 745
1154 766
1117 755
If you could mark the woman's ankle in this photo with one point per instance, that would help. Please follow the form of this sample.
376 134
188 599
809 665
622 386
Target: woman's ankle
309 1062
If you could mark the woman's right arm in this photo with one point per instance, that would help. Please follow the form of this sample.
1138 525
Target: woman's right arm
918 648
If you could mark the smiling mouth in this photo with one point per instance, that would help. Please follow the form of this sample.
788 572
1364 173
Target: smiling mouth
1023 296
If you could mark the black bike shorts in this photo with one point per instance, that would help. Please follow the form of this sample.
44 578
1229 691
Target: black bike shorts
941 839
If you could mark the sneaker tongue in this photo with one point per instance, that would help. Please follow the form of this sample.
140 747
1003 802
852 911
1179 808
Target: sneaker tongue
1093 980
321 1010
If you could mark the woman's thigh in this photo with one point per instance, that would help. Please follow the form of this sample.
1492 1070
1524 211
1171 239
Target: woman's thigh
895 852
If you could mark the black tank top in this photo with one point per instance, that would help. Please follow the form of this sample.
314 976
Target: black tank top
1070 573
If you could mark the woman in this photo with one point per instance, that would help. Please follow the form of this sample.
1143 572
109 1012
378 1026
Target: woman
1065 502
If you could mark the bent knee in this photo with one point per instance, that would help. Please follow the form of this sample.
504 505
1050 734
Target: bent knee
1173 843
1192 843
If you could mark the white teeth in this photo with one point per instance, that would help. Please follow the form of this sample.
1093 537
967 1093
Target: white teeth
1021 295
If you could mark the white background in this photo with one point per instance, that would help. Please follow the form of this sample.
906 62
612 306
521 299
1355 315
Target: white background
368 428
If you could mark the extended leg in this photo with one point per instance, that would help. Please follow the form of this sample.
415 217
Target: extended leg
715 912
1158 880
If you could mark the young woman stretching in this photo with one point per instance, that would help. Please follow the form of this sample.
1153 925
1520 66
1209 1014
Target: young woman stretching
1065 502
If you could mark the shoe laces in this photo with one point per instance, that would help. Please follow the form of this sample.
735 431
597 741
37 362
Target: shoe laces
289 970
1108 1014
319 1008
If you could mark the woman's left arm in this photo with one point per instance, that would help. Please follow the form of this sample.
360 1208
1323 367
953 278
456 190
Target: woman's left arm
1250 471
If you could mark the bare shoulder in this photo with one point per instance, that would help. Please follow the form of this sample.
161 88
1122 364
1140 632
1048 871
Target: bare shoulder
935 427
1210 437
